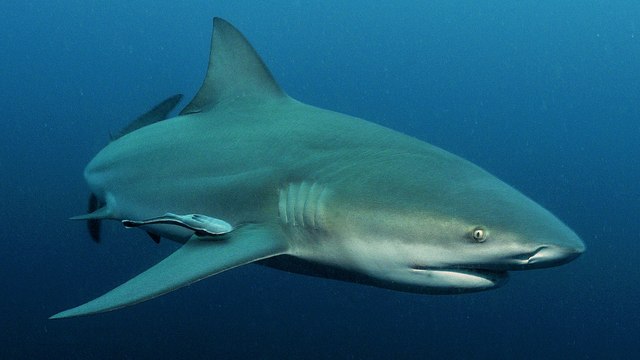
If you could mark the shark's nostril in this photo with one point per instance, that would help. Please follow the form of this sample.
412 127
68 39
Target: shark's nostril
528 256
546 256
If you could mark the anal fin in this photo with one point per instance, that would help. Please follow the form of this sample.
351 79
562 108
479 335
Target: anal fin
194 261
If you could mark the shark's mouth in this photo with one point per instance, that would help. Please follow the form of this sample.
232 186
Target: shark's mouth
462 278
462 270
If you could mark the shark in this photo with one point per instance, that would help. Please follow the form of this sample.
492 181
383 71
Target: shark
247 174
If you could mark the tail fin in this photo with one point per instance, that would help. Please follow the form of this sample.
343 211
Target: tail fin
94 224
97 212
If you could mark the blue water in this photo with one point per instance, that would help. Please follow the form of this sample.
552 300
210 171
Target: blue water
543 94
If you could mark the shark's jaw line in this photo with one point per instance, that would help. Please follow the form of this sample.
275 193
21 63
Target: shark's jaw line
457 269
247 174
466 279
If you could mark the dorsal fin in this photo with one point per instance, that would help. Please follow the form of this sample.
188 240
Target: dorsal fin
158 113
235 71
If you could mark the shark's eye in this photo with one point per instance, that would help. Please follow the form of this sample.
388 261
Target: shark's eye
479 234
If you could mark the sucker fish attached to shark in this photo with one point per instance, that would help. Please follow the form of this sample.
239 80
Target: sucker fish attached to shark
270 180
201 225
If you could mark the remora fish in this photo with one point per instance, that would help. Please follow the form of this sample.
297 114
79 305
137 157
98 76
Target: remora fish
248 174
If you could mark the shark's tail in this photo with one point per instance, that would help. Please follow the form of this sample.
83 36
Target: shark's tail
157 113
97 212
93 225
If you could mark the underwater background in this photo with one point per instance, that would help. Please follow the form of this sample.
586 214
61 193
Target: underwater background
543 94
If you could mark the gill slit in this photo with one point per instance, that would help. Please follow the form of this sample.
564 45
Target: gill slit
301 205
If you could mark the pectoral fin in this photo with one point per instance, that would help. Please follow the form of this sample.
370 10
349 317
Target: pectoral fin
194 261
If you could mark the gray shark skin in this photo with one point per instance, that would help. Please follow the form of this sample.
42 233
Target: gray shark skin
310 191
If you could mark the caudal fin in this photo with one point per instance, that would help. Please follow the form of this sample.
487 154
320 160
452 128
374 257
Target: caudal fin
94 224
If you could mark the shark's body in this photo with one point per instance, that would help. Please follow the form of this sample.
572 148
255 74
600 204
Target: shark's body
311 191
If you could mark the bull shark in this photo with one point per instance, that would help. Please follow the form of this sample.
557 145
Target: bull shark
247 174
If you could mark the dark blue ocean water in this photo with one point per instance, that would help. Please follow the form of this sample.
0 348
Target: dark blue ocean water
543 94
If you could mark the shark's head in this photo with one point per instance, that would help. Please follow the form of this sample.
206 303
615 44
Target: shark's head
439 224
